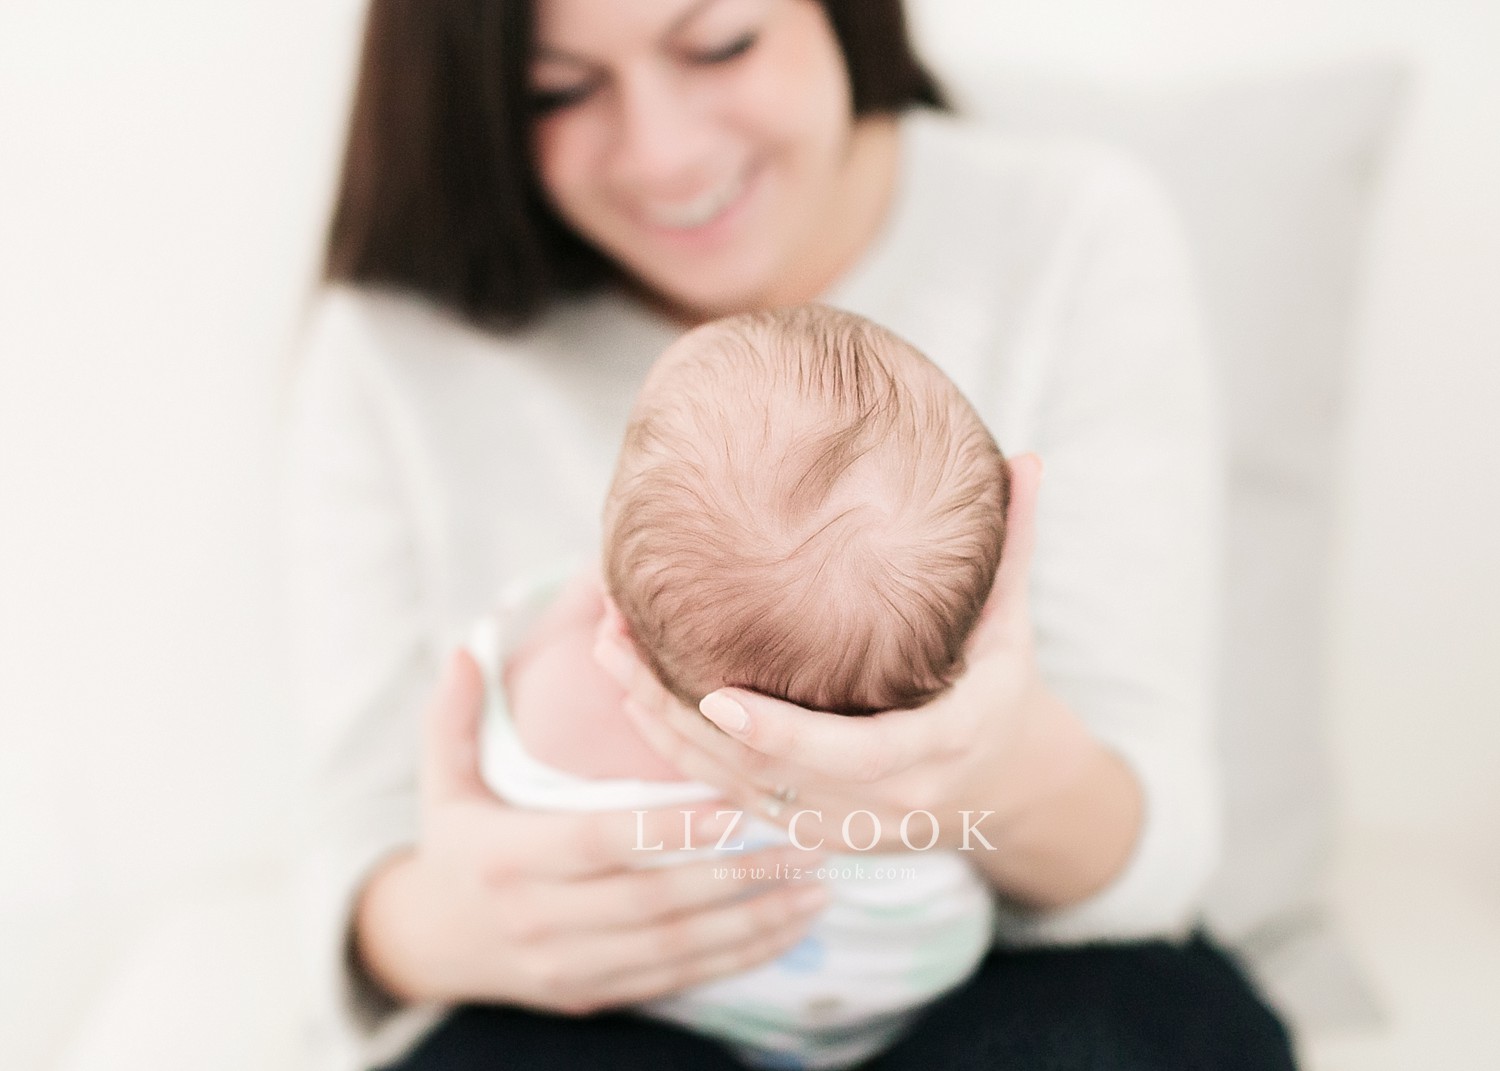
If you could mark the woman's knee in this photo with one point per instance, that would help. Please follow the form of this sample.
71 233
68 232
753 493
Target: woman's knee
1141 1006
483 1037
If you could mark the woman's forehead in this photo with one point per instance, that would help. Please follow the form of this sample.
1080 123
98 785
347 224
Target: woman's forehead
587 29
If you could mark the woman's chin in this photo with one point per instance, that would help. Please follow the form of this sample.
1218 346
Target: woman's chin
701 296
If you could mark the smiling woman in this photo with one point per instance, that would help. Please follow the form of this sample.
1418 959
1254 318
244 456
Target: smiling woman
715 157
537 197
731 115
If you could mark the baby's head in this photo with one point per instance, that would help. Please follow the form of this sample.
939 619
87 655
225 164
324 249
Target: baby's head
805 506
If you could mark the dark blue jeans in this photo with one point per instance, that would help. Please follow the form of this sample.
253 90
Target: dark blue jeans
1141 1006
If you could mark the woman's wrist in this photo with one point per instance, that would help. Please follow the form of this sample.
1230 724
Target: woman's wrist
381 948
1067 809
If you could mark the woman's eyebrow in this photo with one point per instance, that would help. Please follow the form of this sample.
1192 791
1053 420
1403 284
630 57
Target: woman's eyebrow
686 17
544 51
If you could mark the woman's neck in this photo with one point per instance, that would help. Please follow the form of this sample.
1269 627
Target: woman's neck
855 220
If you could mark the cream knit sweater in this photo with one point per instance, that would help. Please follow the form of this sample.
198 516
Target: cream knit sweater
428 463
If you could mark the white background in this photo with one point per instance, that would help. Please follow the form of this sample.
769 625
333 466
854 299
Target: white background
164 172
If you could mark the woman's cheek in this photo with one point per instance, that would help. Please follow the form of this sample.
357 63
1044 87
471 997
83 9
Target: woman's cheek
564 167
788 126
547 145
812 72
807 126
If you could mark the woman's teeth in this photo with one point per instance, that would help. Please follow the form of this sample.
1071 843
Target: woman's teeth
700 210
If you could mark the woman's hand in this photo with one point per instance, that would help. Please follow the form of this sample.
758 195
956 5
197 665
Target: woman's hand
501 905
959 759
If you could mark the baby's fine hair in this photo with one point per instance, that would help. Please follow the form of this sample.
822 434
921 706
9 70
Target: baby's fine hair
804 506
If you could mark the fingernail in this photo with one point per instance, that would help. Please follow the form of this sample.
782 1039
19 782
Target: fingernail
725 712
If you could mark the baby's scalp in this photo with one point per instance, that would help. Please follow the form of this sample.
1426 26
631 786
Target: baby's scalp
807 507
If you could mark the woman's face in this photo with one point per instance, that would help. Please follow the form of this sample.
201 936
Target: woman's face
702 144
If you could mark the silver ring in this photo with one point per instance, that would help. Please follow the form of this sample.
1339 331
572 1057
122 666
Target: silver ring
785 794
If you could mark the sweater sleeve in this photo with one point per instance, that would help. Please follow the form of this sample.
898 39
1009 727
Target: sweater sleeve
364 661
1125 574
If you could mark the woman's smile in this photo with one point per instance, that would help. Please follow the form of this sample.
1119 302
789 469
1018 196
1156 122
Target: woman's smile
696 212
708 222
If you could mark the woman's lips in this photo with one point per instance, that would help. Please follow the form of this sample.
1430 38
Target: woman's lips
697 212
704 218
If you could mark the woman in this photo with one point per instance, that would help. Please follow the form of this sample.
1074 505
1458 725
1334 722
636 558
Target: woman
536 198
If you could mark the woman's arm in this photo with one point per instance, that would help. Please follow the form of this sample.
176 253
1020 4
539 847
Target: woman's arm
1077 814
362 654
422 888
1012 775
1124 579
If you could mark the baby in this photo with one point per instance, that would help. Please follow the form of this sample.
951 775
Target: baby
804 506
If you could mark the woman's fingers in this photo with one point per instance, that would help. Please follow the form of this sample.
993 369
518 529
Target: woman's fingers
450 748
508 844
761 740
614 963
713 761
743 746
650 896
661 709
615 653
715 744
671 978
678 733
758 733
1007 607
843 749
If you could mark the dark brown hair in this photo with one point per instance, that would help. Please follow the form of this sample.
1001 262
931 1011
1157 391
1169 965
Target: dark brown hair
439 193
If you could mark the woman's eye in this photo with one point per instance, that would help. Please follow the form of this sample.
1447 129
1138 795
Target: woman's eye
736 48
544 101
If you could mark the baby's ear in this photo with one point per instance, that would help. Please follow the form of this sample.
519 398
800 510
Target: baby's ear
612 640
613 622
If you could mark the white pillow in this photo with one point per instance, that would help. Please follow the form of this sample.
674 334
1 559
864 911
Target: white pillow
1273 179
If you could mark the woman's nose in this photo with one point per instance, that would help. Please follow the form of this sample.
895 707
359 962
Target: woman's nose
662 138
